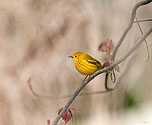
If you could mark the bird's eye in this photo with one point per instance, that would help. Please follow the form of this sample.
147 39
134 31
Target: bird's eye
75 56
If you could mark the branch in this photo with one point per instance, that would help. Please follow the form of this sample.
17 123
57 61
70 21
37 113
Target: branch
143 20
99 72
145 41
133 14
60 97
44 96
112 87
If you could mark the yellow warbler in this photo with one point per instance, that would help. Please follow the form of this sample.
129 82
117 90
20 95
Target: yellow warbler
85 64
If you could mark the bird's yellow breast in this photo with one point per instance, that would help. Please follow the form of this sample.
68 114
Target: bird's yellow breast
85 68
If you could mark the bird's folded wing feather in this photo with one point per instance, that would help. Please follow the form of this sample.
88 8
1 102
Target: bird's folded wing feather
94 62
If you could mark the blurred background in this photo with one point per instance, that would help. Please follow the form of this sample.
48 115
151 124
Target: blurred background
36 38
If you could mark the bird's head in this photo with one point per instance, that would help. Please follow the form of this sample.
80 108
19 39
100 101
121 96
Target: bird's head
76 56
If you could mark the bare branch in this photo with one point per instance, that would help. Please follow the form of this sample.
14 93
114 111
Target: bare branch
60 97
144 40
143 20
45 96
99 72
133 14
113 86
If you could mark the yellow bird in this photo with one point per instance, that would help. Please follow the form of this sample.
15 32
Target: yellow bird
85 64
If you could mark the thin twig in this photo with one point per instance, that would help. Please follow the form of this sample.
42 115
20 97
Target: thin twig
144 40
45 96
143 20
123 71
101 71
63 96
106 83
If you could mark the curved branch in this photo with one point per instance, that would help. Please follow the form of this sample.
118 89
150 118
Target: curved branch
60 97
99 72
133 14
112 87
147 48
106 83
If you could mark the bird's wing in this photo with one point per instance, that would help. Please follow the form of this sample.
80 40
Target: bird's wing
93 61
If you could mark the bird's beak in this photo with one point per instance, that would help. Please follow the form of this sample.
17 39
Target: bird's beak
70 56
